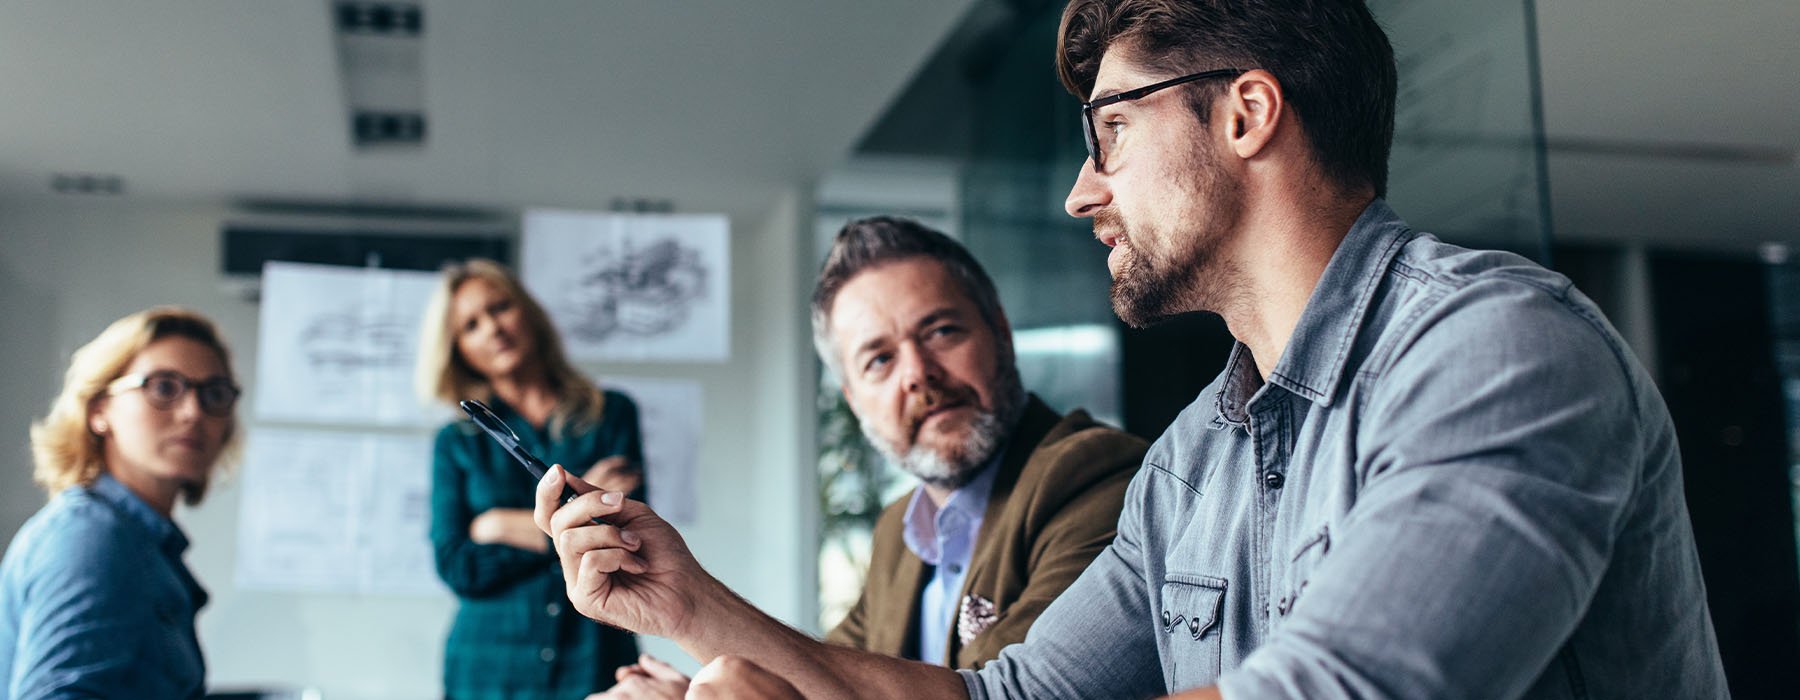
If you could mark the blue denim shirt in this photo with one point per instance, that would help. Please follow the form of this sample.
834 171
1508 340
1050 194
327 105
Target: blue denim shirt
1456 482
96 602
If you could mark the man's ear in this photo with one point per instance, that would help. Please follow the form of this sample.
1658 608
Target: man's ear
1253 106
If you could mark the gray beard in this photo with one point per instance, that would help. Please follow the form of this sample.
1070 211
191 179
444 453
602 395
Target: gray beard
985 437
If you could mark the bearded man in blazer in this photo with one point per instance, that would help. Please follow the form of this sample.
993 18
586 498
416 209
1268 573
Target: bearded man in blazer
1014 500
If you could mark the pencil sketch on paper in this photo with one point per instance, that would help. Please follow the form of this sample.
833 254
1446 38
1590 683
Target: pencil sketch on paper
636 287
336 345
350 339
646 292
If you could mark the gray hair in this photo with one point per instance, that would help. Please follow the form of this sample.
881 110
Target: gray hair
879 240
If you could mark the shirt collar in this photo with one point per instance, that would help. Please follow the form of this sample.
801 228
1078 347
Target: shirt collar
921 522
1313 362
162 530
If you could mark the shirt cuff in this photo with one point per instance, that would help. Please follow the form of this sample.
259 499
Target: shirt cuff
972 683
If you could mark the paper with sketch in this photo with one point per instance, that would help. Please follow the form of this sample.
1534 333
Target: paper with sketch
337 345
333 511
669 416
632 287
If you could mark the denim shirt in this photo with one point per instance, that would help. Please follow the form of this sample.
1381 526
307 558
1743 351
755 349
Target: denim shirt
96 602
944 538
1456 482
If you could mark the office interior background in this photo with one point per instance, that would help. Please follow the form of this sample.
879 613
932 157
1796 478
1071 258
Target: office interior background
1646 149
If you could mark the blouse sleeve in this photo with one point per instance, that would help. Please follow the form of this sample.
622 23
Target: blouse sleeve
471 570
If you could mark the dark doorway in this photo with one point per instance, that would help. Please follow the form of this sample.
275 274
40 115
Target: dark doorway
1720 380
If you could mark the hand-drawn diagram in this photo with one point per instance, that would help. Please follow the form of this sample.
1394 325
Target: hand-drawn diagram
642 293
351 339
336 345
644 287
335 511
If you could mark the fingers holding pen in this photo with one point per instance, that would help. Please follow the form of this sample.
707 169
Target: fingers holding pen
595 566
592 504
596 537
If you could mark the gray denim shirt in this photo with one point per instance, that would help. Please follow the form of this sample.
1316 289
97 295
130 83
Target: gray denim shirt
1457 482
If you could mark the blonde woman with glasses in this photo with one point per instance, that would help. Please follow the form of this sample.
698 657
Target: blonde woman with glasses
95 600
515 635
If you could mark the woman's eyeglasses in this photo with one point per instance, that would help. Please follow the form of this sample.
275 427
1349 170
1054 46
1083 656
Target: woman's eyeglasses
163 388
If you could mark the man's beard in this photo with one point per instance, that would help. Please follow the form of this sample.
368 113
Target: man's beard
1151 287
960 463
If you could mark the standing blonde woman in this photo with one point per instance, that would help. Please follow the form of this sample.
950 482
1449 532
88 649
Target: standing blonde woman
94 598
515 635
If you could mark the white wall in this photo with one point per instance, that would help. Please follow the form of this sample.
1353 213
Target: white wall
69 266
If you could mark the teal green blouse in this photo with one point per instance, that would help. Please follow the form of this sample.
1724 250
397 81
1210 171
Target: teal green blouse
515 634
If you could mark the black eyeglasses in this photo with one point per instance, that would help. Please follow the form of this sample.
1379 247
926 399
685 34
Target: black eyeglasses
1098 154
163 388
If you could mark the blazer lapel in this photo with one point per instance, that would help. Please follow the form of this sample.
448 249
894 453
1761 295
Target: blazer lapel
894 620
1036 422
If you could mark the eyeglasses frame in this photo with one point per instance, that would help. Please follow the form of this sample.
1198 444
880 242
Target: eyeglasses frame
139 380
1095 155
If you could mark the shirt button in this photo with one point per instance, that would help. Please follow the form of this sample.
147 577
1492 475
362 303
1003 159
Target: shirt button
1273 480
547 654
553 610
954 568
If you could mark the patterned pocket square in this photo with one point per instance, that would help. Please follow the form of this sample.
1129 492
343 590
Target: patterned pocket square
976 616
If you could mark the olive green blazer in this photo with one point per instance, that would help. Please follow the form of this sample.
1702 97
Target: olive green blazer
1054 507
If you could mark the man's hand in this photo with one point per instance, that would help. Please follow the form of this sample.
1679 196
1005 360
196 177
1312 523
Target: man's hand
626 567
614 473
632 570
648 679
735 677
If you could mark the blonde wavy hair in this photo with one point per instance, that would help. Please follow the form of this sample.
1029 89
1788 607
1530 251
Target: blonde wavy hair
442 374
64 450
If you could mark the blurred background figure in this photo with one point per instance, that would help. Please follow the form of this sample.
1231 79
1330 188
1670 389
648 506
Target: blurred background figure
95 600
514 635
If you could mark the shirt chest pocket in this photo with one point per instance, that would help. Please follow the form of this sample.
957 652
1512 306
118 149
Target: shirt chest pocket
1299 568
1191 617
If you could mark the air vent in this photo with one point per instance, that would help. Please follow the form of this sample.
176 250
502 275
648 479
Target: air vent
372 128
379 49
380 18
87 183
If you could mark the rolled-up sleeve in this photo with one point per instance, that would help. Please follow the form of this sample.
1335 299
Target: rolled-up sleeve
1500 451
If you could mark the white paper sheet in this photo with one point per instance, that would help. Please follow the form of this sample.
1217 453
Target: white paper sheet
336 511
337 345
632 287
669 416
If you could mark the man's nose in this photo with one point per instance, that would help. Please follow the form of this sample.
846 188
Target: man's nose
920 370
1088 194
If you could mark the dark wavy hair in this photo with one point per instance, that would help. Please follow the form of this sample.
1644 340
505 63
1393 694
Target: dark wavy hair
1332 59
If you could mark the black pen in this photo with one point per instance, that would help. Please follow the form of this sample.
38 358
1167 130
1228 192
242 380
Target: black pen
495 428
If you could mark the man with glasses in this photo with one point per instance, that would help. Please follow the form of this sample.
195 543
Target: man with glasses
1425 471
